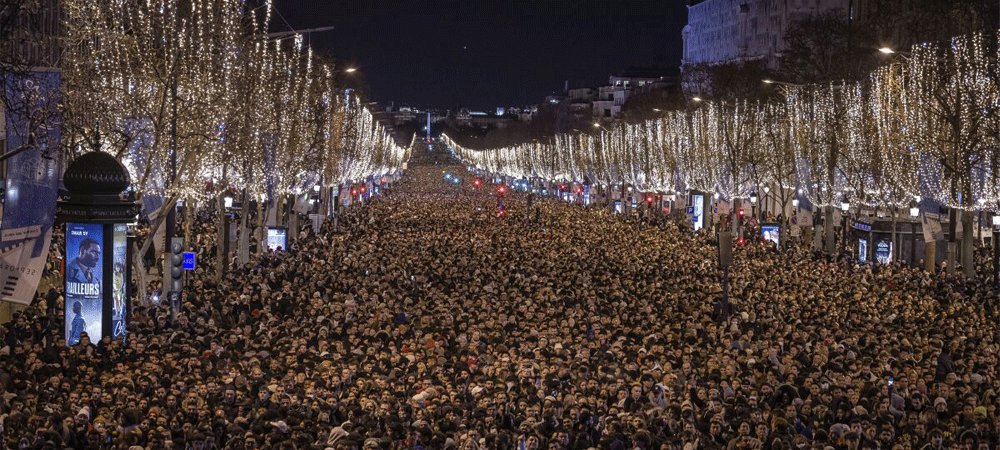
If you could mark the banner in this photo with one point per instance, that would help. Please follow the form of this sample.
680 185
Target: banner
302 203
84 279
931 225
31 190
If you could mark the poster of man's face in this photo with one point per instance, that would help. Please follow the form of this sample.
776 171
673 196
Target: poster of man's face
87 261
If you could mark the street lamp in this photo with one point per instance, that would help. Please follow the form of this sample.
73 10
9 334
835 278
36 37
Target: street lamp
697 99
781 83
887 50
996 249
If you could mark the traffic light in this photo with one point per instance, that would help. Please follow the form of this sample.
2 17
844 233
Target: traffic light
649 199
741 241
176 265
502 190
579 189
475 182
741 212
354 192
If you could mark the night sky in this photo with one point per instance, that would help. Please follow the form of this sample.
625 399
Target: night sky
488 53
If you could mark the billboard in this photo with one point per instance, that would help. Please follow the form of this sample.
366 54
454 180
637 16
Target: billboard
84 281
277 238
862 250
119 284
618 207
770 232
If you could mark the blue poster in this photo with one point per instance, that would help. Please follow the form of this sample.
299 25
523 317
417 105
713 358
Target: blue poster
119 288
32 185
770 232
277 239
84 279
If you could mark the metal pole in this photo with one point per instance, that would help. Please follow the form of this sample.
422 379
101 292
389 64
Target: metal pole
725 293
175 297
996 258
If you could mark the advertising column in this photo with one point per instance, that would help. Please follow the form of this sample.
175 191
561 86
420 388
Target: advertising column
96 216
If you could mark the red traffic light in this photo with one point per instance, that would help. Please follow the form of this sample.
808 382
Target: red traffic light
363 189
741 212
741 241
649 199
579 189
476 182
354 192
502 190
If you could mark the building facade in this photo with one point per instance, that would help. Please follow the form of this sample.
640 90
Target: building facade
722 31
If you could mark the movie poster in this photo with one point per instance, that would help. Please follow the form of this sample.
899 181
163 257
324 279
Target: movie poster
84 278
862 250
277 238
119 291
883 251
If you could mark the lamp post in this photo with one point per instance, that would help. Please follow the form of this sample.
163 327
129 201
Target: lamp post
845 209
914 213
996 250
223 253
763 208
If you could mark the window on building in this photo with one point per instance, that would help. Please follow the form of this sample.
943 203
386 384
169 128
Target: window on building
607 112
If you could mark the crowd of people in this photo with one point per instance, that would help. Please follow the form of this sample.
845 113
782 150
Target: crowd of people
425 321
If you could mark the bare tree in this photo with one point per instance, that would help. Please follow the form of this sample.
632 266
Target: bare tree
954 89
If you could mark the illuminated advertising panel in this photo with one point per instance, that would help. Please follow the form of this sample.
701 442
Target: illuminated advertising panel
84 280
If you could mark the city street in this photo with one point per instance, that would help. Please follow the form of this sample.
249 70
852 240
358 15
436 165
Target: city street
499 225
